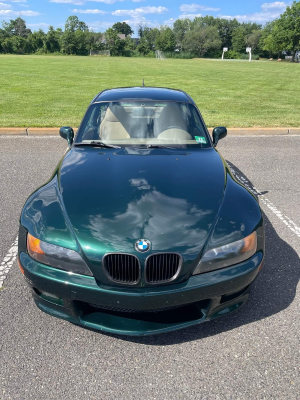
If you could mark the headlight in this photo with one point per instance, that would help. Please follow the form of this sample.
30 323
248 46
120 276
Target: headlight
56 256
230 254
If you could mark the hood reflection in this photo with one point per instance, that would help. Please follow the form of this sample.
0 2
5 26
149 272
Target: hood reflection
166 221
114 199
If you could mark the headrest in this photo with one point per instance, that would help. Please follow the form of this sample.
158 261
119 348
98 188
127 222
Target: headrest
110 116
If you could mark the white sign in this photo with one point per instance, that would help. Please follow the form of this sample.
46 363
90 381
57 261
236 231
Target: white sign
225 48
248 50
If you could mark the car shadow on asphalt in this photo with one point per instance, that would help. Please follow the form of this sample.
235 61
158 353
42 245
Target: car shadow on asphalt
272 292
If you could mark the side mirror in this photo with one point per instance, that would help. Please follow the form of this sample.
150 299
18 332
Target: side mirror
219 133
66 132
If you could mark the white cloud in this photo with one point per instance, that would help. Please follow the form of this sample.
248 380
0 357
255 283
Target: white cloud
141 11
270 11
4 6
39 24
259 17
96 11
17 1
192 8
137 1
169 22
189 16
277 5
10 13
137 20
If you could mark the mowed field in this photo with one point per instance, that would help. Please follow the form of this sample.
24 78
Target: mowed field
50 91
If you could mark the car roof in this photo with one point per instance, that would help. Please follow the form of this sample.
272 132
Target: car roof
143 93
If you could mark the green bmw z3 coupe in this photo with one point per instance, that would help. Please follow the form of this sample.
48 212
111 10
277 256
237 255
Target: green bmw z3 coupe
142 228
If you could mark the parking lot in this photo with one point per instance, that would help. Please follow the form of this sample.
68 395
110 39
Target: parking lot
252 354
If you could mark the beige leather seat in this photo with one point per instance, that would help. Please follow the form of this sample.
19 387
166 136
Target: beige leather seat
111 128
171 125
174 134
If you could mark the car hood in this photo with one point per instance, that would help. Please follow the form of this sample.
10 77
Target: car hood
112 198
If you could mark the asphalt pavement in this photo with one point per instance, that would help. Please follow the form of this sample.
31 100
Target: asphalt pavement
252 354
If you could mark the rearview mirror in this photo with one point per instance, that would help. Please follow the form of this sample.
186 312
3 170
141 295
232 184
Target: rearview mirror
219 133
66 132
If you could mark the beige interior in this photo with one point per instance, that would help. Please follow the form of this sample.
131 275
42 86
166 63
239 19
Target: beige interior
111 128
174 134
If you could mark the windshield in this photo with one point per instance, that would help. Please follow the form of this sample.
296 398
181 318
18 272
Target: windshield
149 123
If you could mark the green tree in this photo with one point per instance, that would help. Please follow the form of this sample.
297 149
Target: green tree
180 28
241 33
130 44
165 40
123 27
96 41
114 43
287 29
16 27
75 39
268 40
239 39
201 39
225 29
38 40
208 20
253 39
52 40
73 23
148 38
82 42
15 44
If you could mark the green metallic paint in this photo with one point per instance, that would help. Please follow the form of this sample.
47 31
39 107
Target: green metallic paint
66 132
199 287
73 289
219 133
182 200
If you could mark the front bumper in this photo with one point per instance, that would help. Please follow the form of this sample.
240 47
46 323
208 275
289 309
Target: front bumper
140 311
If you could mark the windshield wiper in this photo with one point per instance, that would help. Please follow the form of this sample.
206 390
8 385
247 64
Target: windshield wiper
158 146
98 144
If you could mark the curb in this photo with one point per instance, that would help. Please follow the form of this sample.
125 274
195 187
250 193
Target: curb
231 131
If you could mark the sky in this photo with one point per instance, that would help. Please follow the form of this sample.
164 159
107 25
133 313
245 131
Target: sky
102 14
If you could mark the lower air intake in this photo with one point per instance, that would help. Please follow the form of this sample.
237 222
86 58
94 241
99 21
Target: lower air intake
162 267
122 268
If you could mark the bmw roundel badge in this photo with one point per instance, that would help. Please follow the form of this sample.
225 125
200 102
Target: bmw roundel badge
142 245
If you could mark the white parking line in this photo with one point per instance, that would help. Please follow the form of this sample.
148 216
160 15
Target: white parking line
285 219
8 261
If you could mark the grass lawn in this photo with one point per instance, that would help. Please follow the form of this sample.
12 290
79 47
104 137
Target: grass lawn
46 91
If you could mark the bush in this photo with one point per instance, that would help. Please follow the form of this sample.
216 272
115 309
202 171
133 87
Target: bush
136 53
183 55
151 54
246 56
213 53
231 54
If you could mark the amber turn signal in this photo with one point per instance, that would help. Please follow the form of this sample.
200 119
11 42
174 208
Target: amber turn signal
250 243
33 245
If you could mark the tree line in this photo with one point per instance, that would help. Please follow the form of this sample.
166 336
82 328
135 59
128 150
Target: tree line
201 37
